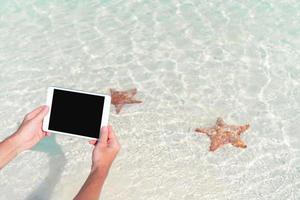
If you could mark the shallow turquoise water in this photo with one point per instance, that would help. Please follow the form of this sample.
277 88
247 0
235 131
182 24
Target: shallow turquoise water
192 61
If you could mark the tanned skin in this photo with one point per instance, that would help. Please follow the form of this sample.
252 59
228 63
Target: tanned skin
30 133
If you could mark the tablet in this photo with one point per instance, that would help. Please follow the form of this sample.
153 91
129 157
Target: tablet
76 113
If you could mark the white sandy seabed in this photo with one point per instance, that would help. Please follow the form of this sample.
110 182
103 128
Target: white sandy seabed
191 62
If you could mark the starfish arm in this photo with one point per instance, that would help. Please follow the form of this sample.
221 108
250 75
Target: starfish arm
239 143
220 122
215 144
133 101
118 108
242 129
202 130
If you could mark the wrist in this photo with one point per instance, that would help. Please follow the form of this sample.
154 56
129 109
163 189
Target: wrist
100 169
14 143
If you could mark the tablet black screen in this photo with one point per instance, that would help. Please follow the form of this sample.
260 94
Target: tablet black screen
76 113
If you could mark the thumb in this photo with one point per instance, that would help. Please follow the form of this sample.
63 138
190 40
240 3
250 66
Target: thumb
104 135
40 116
111 135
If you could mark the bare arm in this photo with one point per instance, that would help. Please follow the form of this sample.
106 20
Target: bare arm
29 134
8 151
93 185
104 154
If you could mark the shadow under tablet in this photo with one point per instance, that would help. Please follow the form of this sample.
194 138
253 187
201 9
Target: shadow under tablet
57 161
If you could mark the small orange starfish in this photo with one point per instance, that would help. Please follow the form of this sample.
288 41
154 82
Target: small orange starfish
119 98
221 134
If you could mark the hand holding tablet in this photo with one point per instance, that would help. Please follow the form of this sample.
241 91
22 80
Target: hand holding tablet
76 113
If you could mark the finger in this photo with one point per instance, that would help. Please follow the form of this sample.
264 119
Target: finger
111 135
104 135
33 113
93 142
40 116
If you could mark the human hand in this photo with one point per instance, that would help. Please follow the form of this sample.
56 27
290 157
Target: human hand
106 149
30 131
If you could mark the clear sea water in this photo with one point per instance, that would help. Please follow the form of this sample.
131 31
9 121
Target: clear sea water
192 61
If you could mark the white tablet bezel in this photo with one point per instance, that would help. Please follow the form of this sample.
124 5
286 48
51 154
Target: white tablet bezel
105 115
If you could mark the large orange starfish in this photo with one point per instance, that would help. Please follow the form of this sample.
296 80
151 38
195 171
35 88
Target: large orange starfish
119 98
221 134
